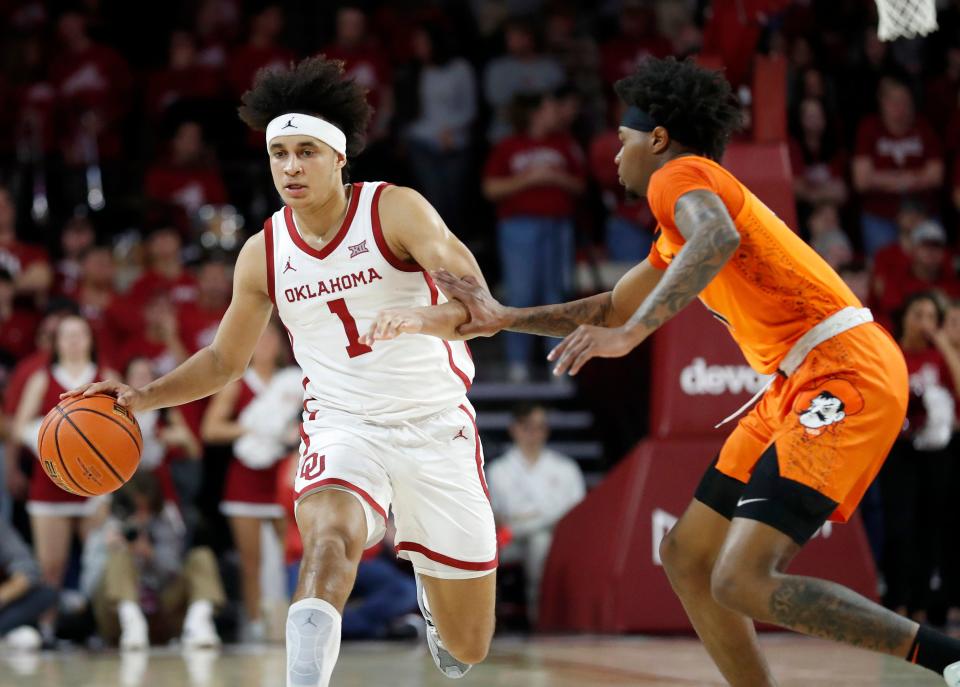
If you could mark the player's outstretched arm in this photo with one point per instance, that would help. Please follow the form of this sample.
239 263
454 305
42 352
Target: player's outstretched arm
213 367
609 309
415 233
710 240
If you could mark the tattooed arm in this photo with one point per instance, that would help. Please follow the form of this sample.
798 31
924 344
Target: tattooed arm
610 309
711 239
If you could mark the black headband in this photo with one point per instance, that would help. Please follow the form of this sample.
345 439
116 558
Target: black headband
635 118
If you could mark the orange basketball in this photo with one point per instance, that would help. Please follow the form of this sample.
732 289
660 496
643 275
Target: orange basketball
90 446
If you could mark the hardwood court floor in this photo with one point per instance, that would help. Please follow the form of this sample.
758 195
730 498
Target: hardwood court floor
544 662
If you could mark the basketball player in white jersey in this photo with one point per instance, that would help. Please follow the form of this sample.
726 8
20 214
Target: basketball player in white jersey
384 425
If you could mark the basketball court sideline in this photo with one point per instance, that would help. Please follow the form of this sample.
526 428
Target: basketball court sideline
543 662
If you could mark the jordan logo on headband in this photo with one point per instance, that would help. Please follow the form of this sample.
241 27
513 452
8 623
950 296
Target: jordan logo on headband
289 125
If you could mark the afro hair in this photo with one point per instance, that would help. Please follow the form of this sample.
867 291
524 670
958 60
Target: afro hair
695 105
315 86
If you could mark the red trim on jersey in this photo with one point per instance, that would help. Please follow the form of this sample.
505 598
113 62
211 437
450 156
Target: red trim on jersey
478 457
434 297
333 481
268 240
446 560
381 241
341 232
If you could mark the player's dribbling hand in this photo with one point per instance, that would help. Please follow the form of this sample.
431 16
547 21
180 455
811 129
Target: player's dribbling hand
587 342
126 395
487 316
390 324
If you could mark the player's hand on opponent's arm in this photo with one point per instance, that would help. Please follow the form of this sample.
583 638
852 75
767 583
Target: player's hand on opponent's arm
126 395
588 341
487 315
389 324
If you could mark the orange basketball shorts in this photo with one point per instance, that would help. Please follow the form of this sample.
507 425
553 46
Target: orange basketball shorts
832 422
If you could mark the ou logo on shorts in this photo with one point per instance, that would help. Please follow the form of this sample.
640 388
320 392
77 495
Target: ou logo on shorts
312 467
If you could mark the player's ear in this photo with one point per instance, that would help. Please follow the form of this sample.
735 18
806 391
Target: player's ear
659 140
341 161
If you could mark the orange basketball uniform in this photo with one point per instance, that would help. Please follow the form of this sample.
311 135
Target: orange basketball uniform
835 418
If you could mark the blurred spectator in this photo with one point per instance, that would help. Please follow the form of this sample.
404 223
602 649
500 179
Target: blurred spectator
897 154
188 176
76 237
55 514
18 328
534 177
141 579
827 236
442 87
261 51
913 478
857 278
23 597
930 269
165 271
940 93
216 26
893 260
638 39
27 263
366 64
98 301
249 496
182 80
159 341
819 166
383 602
577 52
522 70
93 85
199 320
531 489
629 221
166 436
861 78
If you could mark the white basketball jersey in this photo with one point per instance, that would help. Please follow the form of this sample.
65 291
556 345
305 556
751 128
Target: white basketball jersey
328 297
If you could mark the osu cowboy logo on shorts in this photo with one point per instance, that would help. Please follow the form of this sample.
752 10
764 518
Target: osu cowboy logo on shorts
827 404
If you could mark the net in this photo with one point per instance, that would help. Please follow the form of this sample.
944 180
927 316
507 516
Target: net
906 18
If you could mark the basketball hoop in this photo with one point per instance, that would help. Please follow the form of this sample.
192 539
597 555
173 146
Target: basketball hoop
906 18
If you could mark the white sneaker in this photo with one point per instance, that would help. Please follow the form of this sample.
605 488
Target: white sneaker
952 674
199 631
23 638
253 632
134 633
444 660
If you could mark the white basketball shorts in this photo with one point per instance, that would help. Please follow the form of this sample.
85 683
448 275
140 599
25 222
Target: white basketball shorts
429 471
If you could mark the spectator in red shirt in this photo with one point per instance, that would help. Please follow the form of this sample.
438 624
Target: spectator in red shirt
93 86
366 64
893 261
930 270
18 328
99 303
183 79
897 154
827 237
637 40
159 341
189 176
261 51
912 481
76 238
28 264
165 270
534 177
199 320
819 166
629 221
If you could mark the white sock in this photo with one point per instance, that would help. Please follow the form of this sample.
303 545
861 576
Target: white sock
313 643
198 610
129 612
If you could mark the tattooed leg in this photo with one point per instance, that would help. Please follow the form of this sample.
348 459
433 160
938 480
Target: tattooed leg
749 578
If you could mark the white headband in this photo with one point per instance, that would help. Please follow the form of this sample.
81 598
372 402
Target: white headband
295 124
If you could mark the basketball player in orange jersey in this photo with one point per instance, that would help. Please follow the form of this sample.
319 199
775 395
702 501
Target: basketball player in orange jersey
383 425
809 449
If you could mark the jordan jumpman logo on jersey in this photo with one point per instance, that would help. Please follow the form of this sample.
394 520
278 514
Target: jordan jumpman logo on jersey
461 435
289 267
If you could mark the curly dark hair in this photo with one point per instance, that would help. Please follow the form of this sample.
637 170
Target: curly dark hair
695 105
314 86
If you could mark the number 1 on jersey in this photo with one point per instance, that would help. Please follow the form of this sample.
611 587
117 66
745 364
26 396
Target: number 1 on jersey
339 308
